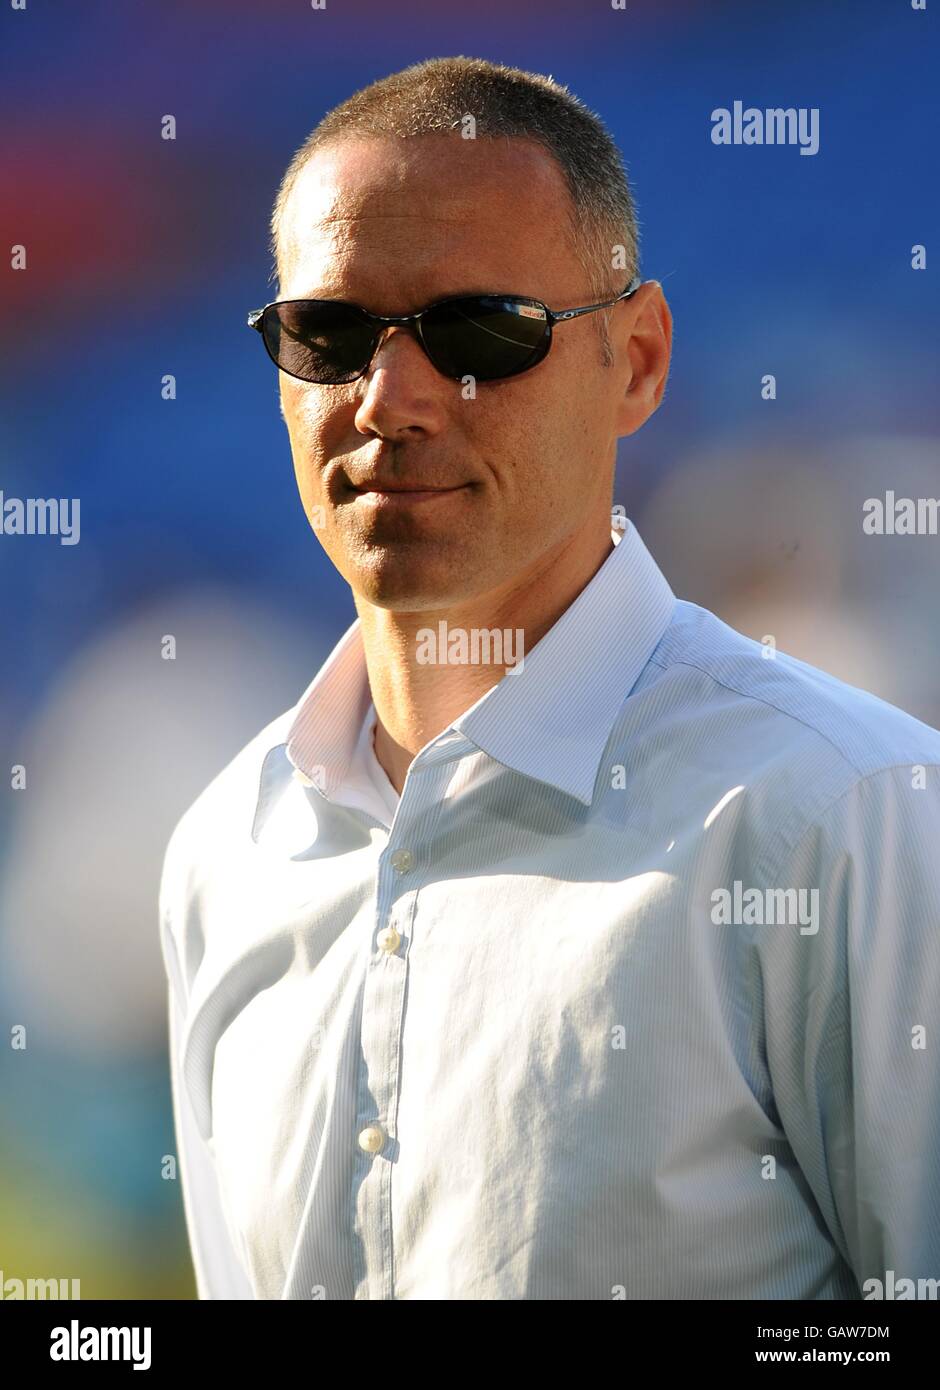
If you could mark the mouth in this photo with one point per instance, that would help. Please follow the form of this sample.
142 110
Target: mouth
395 496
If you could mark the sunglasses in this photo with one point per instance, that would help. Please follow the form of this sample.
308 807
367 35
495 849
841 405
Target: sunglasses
484 336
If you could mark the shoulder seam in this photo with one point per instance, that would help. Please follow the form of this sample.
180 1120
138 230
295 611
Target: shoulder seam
787 714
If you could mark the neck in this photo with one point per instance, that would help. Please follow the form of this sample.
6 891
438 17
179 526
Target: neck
416 699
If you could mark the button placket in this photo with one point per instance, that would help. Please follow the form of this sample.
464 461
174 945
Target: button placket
382 1010
398 884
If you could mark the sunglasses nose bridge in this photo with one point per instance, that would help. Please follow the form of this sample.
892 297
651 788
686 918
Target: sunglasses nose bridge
409 324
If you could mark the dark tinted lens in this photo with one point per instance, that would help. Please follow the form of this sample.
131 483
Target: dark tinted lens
318 341
486 337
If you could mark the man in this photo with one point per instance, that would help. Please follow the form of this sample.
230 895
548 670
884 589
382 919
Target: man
557 945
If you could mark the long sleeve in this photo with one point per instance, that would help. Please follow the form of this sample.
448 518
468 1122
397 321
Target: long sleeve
219 1273
853 1023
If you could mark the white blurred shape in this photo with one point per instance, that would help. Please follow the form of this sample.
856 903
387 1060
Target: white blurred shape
123 745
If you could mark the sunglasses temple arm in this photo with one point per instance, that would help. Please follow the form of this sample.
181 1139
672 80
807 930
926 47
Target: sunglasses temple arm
564 314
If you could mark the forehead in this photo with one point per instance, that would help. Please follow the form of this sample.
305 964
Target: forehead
436 214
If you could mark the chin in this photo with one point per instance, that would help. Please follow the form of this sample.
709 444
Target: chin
403 575
410 587
418 596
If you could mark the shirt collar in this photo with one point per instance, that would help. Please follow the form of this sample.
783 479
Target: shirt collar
569 691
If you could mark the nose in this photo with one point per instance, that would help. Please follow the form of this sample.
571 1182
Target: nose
405 396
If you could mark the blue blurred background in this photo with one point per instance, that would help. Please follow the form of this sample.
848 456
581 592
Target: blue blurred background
144 256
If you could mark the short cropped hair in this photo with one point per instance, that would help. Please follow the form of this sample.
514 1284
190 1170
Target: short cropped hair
435 98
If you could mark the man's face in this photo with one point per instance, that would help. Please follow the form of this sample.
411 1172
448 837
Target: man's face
395 225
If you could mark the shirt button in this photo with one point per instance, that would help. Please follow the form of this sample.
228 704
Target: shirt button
403 860
389 939
371 1139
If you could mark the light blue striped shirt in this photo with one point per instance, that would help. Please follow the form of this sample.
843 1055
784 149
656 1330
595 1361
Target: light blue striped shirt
638 996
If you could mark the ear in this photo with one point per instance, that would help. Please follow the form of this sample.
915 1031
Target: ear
642 342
